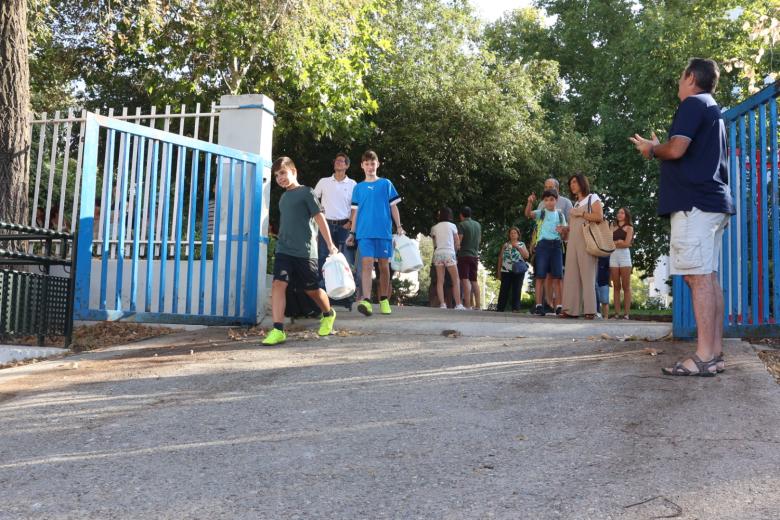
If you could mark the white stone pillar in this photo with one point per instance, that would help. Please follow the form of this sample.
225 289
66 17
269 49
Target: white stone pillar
246 123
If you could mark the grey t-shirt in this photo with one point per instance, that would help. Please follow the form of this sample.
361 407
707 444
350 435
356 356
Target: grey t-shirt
562 204
297 229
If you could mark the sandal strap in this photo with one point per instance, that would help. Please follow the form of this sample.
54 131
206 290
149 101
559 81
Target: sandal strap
680 370
704 366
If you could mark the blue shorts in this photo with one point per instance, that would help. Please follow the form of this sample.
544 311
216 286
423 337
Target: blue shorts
376 247
602 294
549 259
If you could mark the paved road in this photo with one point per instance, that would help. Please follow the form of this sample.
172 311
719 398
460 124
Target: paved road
514 418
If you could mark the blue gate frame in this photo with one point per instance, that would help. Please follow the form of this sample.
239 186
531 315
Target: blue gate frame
217 297
750 255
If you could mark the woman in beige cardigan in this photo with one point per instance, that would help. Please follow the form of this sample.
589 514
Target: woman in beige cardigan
579 278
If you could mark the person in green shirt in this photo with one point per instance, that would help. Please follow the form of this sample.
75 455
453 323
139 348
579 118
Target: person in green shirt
295 259
470 234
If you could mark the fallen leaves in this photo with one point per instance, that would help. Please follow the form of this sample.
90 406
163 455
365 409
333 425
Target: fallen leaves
108 333
102 334
771 359
245 333
293 332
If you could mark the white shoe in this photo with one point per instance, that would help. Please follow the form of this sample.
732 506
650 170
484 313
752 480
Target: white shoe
460 307
443 306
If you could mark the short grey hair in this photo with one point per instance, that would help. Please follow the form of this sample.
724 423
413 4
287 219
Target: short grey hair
557 184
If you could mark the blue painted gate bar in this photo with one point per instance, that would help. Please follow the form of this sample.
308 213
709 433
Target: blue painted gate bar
750 254
207 274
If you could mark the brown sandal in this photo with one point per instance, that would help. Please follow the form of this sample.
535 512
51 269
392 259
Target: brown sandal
566 315
590 316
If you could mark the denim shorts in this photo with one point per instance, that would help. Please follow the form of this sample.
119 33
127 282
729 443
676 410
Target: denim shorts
549 259
602 294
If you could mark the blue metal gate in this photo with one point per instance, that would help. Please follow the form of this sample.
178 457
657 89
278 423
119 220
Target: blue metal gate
198 259
750 256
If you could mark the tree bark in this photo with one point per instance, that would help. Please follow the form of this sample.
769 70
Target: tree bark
14 111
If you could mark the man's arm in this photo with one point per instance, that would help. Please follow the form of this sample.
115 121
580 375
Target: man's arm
529 205
673 149
353 219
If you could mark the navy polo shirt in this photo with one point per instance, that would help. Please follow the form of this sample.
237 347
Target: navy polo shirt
700 177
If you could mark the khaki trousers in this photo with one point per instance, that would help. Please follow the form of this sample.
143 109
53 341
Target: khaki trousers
579 279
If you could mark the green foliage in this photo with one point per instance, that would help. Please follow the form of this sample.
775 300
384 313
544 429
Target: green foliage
459 113
308 56
620 60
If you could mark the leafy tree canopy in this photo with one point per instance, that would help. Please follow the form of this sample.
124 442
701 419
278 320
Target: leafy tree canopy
460 113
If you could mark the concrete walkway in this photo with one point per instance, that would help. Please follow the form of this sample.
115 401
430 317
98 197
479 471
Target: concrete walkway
507 417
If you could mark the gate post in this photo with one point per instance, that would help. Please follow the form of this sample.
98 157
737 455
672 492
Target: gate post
246 123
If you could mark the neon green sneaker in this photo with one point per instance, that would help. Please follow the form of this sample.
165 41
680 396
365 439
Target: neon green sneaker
365 308
326 324
384 306
274 337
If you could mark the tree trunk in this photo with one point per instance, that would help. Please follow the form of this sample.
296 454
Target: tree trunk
14 111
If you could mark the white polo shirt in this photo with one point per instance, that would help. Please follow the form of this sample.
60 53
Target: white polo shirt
335 197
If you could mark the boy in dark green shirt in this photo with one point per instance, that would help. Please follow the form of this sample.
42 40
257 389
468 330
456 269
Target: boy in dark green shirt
296 249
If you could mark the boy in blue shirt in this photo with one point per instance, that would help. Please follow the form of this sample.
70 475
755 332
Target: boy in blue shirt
549 247
295 259
374 209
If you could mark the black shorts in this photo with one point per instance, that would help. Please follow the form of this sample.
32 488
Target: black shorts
300 272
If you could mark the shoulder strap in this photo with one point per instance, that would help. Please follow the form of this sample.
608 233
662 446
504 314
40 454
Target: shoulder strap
560 216
590 210
541 214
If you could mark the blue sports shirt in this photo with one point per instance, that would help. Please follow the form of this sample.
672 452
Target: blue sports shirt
372 201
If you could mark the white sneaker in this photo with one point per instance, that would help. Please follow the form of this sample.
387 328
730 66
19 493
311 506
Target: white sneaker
443 306
460 307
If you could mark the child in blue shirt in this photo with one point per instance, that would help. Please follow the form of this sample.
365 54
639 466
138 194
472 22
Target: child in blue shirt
374 209
549 247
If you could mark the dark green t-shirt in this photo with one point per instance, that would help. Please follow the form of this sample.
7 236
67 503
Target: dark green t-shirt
472 236
297 229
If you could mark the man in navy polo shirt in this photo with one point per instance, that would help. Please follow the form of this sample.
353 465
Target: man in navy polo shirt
693 191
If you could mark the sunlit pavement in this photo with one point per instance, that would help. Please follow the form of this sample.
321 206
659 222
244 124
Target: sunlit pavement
422 414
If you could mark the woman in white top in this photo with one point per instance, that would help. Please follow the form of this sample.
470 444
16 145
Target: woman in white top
579 278
447 242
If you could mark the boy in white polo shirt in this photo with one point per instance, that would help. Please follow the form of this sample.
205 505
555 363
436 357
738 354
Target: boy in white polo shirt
335 196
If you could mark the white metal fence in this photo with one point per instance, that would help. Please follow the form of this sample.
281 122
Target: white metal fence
55 166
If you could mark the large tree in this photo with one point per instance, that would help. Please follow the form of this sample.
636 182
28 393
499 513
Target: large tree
620 60
14 110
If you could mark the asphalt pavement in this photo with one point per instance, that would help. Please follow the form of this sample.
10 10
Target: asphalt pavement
423 414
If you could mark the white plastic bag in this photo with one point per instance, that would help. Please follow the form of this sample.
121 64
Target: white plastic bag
406 255
339 282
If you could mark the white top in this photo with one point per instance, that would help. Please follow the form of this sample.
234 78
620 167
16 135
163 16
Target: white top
584 202
335 197
443 235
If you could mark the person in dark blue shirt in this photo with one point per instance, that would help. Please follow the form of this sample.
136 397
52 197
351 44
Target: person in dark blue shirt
693 191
